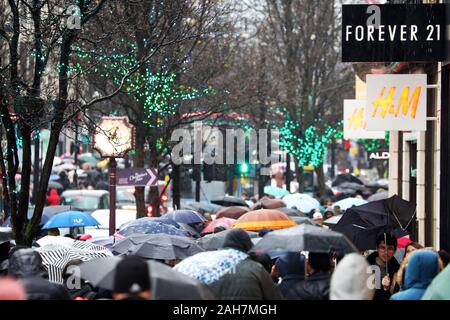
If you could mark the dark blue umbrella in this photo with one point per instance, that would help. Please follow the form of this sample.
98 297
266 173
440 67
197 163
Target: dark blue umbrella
149 226
70 219
185 216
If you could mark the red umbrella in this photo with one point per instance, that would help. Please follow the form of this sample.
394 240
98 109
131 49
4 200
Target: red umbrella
232 212
221 222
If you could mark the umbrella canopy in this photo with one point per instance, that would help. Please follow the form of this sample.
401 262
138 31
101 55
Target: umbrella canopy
346 203
331 222
106 241
228 201
54 177
157 246
166 283
185 216
305 238
148 226
275 191
56 240
221 222
346 177
6 234
88 158
292 212
202 207
208 267
49 212
55 185
378 196
362 224
64 167
55 257
302 220
57 161
122 217
70 219
266 203
234 212
352 186
302 202
264 218
215 241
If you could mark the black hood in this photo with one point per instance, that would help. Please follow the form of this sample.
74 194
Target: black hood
238 239
25 263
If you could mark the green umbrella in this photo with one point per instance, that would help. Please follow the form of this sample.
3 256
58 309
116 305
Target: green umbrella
275 191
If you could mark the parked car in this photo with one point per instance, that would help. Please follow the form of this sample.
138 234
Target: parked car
86 200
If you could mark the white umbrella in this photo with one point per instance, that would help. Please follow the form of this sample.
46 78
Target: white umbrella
347 203
57 240
302 202
64 167
57 161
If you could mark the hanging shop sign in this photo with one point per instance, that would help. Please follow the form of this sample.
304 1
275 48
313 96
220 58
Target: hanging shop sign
355 126
394 33
396 102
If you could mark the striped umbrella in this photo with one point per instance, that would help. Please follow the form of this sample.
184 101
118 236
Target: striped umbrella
56 256
264 218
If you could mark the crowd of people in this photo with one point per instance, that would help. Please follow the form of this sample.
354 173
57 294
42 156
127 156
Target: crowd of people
421 274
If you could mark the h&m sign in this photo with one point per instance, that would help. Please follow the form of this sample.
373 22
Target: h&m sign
394 33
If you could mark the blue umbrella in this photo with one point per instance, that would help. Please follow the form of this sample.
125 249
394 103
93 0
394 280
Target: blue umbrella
185 216
54 177
149 226
166 220
349 202
70 219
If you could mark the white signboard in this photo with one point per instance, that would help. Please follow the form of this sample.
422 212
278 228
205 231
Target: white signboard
396 102
355 126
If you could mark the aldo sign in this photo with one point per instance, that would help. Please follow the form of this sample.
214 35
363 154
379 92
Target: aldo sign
394 33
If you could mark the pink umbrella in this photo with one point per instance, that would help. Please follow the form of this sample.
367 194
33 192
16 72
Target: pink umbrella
221 222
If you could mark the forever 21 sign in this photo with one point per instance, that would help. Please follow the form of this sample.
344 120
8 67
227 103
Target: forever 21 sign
394 33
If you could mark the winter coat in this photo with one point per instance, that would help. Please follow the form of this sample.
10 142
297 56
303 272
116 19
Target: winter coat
422 267
314 287
53 198
26 263
291 268
393 266
439 288
249 281
350 278
38 288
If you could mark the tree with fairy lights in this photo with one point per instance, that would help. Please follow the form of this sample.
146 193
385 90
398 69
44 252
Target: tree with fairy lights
43 86
303 40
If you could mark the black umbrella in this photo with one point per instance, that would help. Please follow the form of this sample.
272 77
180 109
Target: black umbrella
346 177
352 186
292 212
55 185
157 246
301 220
228 201
6 234
215 241
304 238
363 223
166 283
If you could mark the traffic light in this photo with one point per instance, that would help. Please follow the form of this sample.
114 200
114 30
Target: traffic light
244 168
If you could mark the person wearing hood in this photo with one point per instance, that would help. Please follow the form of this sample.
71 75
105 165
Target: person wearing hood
53 198
350 278
26 266
249 280
423 266
291 269
316 285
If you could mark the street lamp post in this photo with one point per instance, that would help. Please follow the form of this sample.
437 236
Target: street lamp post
113 139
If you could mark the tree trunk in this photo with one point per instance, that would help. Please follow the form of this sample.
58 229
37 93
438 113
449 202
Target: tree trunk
140 163
320 179
299 174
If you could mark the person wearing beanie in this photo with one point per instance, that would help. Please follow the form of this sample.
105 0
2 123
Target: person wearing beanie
132 279
350 278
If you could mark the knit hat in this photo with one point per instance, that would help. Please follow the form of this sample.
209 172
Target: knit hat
132 275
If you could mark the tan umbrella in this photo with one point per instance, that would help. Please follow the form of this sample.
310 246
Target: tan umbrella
264 219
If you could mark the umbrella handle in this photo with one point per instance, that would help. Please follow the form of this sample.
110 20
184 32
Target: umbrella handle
385 245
